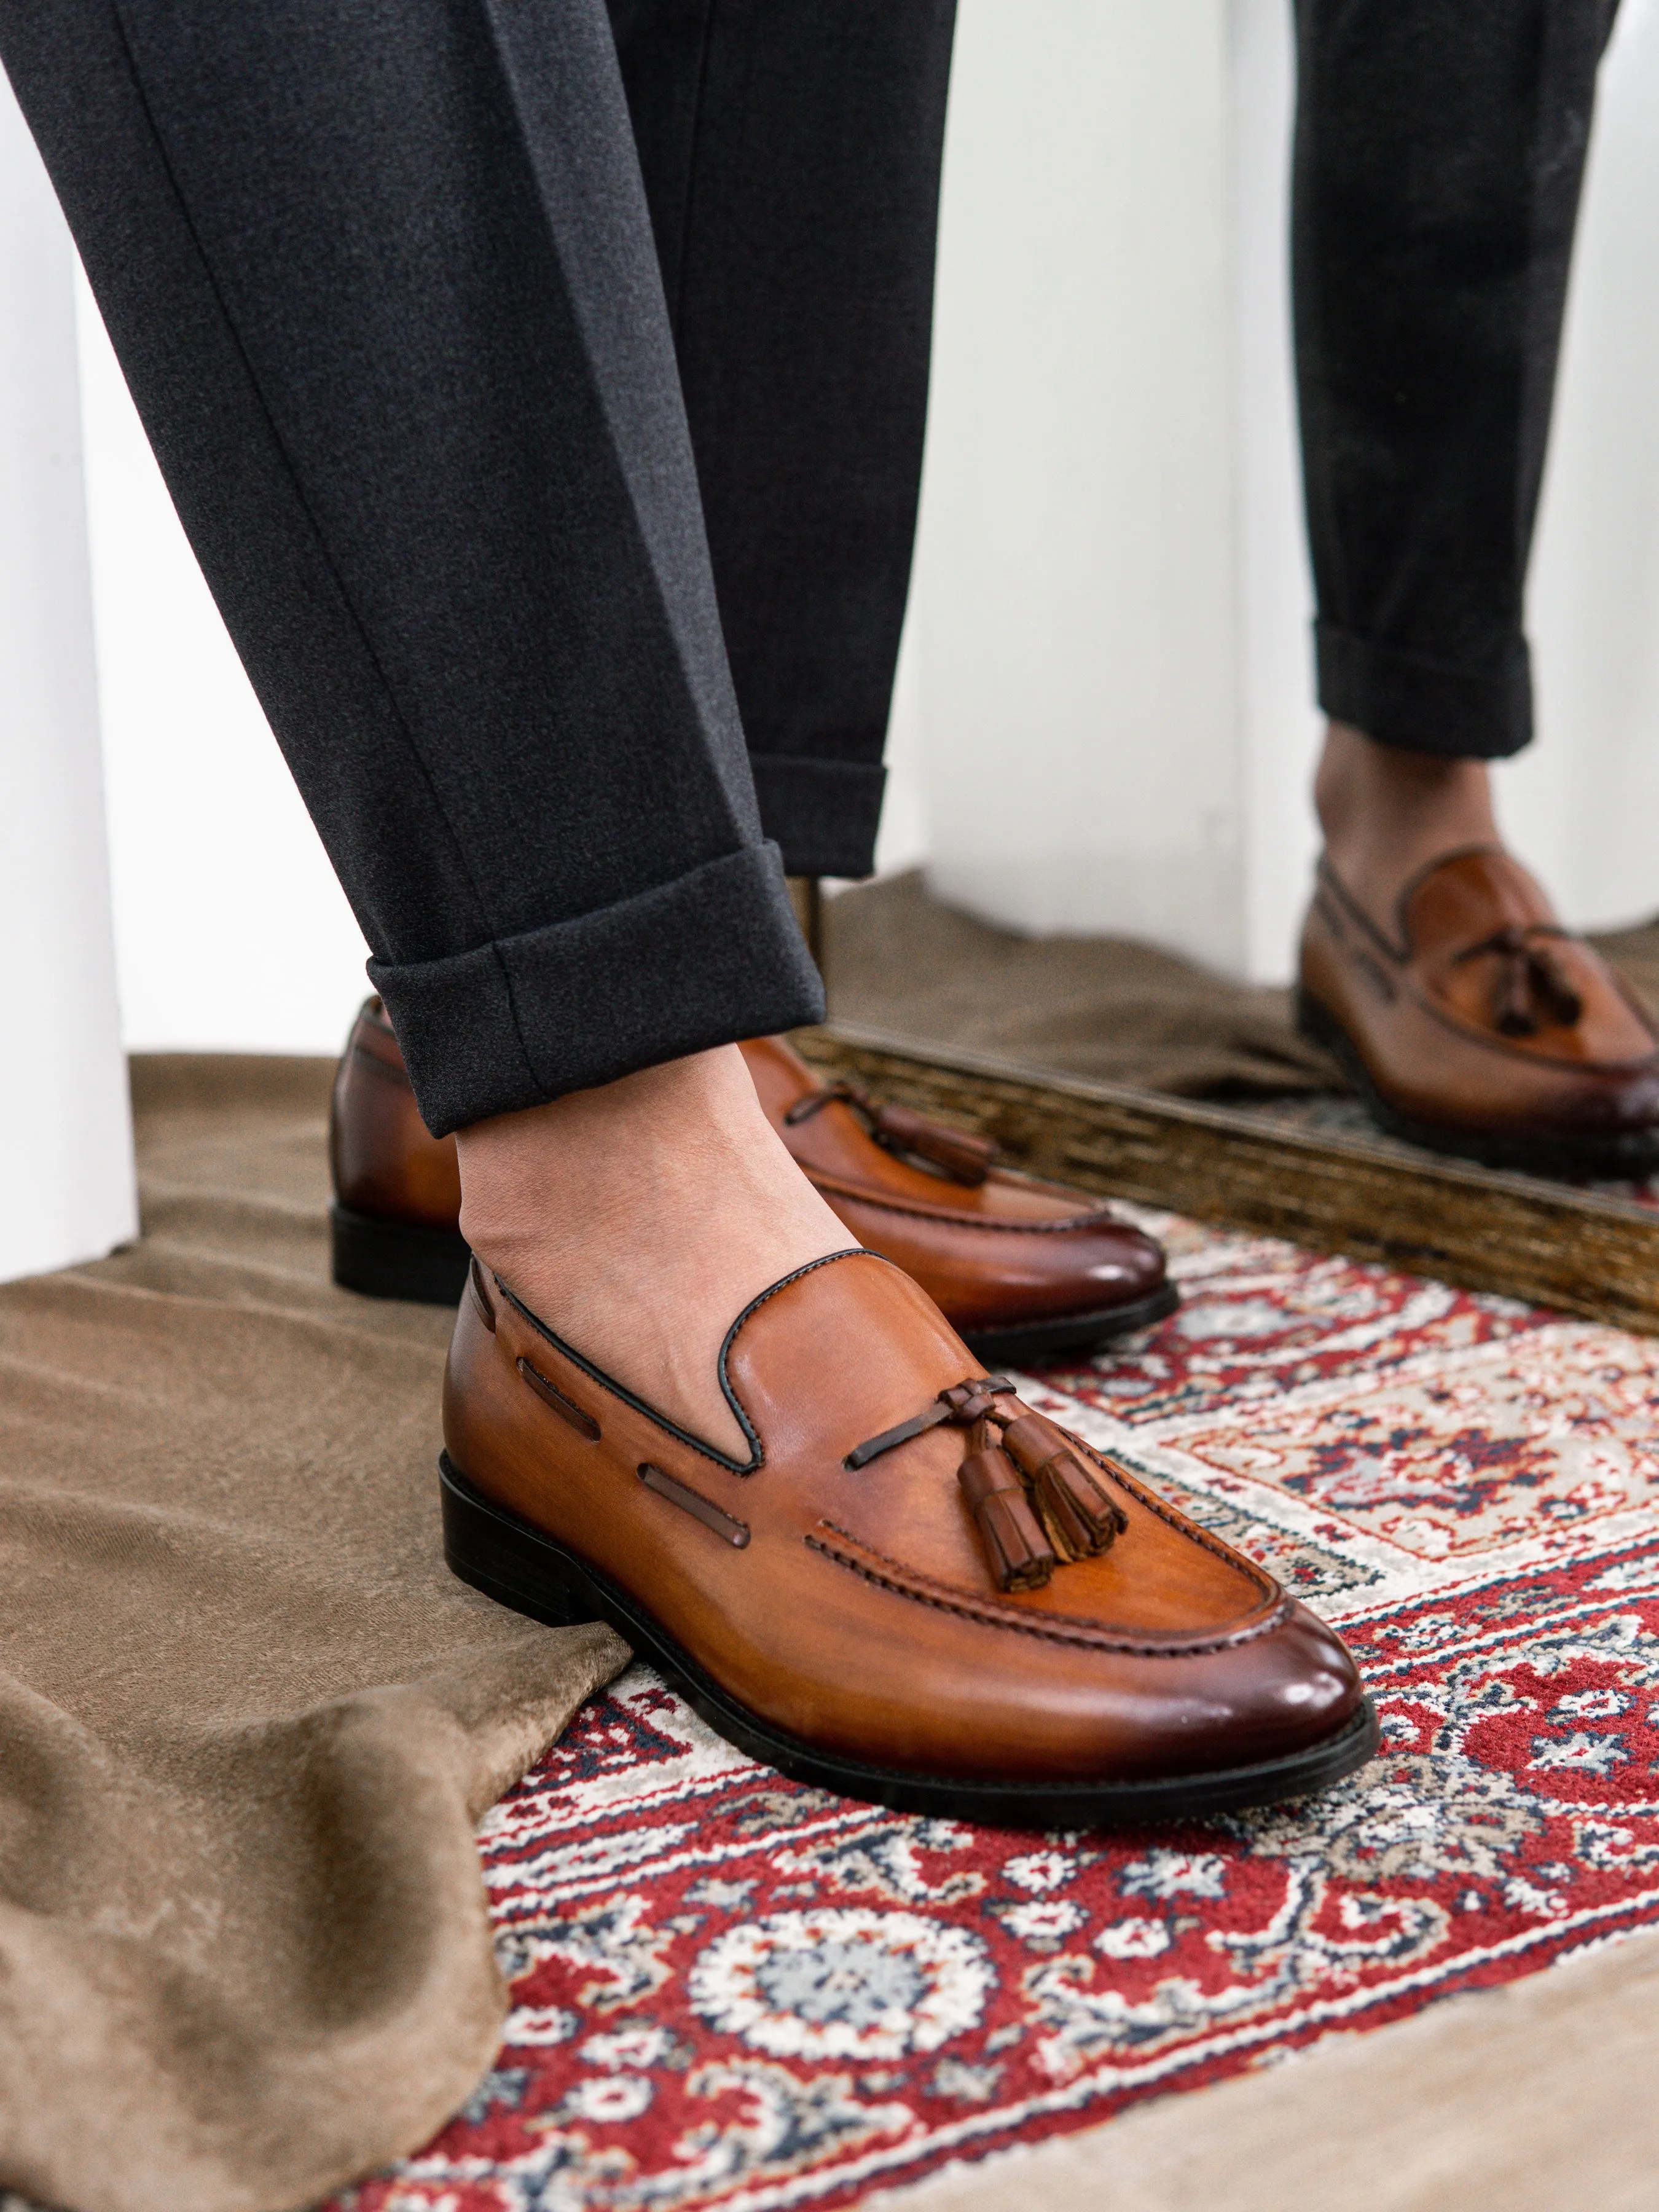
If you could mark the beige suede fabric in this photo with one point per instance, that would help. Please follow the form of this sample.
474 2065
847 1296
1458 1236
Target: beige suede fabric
247 1718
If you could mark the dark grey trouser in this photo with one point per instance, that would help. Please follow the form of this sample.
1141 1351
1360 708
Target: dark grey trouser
382 278
1439 153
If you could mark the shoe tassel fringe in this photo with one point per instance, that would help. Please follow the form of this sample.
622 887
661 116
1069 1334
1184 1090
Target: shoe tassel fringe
1036 1505
1529 981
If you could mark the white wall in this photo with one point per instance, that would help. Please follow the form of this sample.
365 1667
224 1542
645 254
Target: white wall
1585 801
231 930
65 1137
1074 604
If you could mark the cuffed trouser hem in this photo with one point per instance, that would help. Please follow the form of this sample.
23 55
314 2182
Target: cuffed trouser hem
823 813
1426 706
712 956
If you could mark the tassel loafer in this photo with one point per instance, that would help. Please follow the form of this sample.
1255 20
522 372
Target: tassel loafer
1478 1025
913 1589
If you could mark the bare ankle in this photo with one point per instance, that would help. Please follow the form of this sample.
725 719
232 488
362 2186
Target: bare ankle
1387 811
637 1219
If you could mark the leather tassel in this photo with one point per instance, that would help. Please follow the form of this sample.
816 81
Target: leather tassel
1512 1014
1078 1516
1528 978
1017 1552
966 1159
1554 988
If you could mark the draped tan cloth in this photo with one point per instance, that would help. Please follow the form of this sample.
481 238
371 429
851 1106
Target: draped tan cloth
247 1718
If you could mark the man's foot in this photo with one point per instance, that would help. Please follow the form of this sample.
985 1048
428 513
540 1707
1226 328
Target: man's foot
908 1587
638 1219
1434 970
1387 812
1019 1268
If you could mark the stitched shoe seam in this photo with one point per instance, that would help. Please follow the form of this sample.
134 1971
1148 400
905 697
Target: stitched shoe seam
1049 1628
1189 1530
1069 1225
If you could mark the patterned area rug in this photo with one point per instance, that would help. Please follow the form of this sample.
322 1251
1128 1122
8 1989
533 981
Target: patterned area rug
732 1991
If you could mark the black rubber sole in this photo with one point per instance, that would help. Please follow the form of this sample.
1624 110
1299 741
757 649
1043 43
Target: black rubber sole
518 1566
1009 1348
396 1259
1611 1157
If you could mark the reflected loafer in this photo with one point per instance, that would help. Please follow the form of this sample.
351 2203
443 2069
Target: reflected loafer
1481 1027
1018 1267
912 1590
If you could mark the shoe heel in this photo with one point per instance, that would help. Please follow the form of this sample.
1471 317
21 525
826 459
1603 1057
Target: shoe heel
509 1561
396 1259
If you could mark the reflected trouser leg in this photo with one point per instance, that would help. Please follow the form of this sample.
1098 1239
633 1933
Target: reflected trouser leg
1439 154
381 279
791 156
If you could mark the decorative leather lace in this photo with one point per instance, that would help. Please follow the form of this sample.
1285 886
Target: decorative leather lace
962 1159
1036 1505
1529 980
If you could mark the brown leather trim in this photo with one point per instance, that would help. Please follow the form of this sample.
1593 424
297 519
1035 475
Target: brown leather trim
476 1283
992 1612
597 1375
866 1195
566 1408
735 1532
1399 951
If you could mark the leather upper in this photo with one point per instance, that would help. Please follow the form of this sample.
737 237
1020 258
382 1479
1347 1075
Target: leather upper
857 1610
1001 1250
385 1162
1006 1248
1480 1013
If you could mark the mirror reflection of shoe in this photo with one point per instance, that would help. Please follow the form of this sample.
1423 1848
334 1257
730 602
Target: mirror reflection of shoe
914 1590
1019 1268
1481 1026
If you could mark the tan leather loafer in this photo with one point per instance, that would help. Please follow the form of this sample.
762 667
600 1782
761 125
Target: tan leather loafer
914 1590
1481 1027
1018 1267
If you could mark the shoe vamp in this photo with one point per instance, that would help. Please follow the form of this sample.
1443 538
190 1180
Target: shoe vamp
1429 1060
858 1612
1160 1577
981 1274
1609 1033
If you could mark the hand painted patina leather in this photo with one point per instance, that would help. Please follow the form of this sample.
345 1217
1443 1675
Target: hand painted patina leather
838 1610
1480 1025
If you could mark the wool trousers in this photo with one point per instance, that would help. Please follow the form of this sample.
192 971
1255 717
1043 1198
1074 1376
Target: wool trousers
1439 154
542 386
397 287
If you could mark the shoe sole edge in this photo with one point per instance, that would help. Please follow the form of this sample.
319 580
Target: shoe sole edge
1069 1332
382 1258
1611 1157
505 1559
